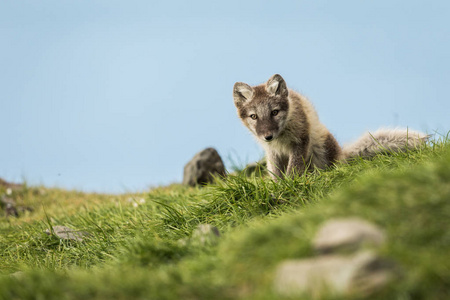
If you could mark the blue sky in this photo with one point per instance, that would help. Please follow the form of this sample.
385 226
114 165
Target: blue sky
116 96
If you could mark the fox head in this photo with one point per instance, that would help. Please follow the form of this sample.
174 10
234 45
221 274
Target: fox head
264 108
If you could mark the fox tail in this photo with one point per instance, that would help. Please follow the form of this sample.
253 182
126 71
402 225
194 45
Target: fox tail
384 140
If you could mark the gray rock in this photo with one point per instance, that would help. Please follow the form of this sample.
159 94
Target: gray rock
4 200
183 242
6 184
202 167
256 168
11 210
24 209
9 205
347 234
361 274
205 234
66 233
17 275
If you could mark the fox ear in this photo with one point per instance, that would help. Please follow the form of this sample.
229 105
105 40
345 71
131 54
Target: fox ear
242 92
277 86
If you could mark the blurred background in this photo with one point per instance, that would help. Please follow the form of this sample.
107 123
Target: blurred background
117 96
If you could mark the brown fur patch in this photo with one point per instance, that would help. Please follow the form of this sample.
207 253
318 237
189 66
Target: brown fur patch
333 150
299 127
242 111
260 95
259 92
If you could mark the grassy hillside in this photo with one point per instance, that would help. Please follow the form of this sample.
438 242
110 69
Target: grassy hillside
141 245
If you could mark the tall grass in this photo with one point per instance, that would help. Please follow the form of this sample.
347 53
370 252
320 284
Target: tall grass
141 245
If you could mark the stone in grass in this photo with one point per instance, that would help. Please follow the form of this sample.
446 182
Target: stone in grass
202 168
66 233
17 275
256 168
362 274
9 205
6 184
205 234
347 234
24 209
11 210
4 200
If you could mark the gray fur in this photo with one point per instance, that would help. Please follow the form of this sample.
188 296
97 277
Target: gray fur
384 140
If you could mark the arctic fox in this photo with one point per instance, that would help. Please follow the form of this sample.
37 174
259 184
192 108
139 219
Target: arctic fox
288 127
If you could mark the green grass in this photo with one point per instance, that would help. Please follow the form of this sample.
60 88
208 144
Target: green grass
140 248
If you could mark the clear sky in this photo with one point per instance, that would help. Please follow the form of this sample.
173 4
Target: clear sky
116 96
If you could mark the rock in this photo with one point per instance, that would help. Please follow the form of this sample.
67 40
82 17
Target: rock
4 200
17 275
202 167
9 205
183 242
24 209
11 210
6 184
256 167
205 234
361 274
347 234
66 233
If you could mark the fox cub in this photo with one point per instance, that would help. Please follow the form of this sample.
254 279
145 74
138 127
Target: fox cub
288 127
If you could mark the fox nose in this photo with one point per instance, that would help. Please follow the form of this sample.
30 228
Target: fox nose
268 137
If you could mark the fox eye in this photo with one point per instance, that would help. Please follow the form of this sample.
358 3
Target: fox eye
254 117
275 112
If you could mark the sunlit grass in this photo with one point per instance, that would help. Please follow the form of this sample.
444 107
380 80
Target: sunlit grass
139 244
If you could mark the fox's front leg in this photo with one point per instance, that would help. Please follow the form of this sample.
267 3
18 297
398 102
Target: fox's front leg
297 161
276 165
